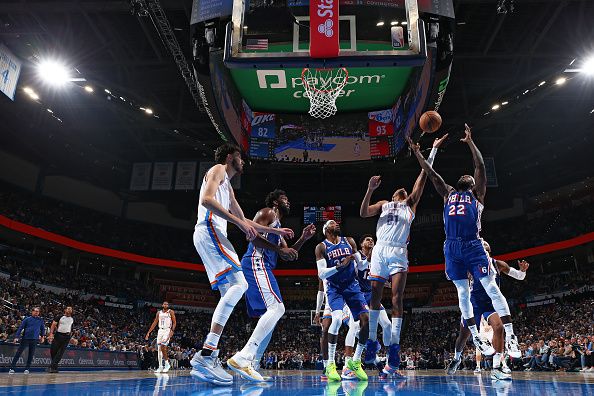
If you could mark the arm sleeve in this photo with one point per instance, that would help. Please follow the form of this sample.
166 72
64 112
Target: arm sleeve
360 263
323 271
432 155
319 301
514 273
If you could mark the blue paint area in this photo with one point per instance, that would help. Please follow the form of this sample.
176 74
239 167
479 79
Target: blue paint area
304 386
299 144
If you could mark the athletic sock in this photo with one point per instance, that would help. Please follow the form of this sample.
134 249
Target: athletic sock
473 330
358 351
497 360
331 352
373 321
396 326
211 343
509 331
325 363
457 355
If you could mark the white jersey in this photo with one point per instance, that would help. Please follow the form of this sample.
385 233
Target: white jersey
222 196
164 320
393 225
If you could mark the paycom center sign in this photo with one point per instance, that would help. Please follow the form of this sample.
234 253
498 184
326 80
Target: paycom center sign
281 90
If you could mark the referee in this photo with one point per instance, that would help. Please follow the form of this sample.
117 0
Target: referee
61 339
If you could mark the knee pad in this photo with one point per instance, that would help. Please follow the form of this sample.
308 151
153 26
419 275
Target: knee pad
463 289
497 298
236 278
336 321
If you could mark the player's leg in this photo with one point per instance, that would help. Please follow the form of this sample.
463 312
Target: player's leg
164 352
336 303
349 344
463 335
378 275
499 371
386 325
326 322
357 304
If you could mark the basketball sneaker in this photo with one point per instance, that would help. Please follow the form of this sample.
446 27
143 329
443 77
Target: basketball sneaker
11 371
483 345
504 367
243 367
355 367
394 356
26 372
512 347
159 369
256 367
331 372
167 366
371 348
347 374
453 366
209 369
498 374
391 372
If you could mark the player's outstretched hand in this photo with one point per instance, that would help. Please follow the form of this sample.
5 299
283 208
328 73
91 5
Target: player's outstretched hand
523 264
438 142
374 182
288 254
308 232
414 146
286 233
249 230
468 134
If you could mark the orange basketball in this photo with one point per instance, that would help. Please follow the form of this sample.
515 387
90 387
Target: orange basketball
430 121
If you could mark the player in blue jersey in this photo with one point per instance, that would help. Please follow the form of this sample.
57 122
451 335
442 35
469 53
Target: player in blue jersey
483 308
263 296
336 258
463 249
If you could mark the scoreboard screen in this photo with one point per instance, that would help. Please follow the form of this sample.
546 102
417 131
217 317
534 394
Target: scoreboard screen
321 214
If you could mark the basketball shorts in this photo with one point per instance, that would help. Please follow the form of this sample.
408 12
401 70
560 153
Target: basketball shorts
263 289
482 309
163 337
346 313
216 252
367 296
387 261
464 257
349 294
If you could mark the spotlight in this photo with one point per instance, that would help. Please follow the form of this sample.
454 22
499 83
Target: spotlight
34 96
542 83
148 111
50 111
89 89
525 92
495 107
560 81
404 23
380 23
588 66
393 23
28 90
107 91
504 103
53 72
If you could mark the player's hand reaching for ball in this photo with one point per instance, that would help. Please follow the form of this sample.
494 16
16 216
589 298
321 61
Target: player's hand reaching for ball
374 182
523 264
286 233
438 142
249 230
468 134
414 146
288 254
308 232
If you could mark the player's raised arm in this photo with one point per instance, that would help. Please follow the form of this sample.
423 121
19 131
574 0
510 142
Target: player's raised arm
366 209
480 173
308 232
214 178
323 271
415 195
442 188
511 271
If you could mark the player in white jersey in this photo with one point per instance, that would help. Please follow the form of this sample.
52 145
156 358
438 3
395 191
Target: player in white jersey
165 318
389 261
218 206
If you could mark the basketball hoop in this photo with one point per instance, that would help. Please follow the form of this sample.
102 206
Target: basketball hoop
322 87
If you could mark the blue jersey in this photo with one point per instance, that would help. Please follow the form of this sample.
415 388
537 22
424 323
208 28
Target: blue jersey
462 216
364 283
477 291
334 255
269 257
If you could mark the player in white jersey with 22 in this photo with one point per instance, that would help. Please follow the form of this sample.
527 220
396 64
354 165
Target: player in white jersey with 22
389 261
165 318
218 206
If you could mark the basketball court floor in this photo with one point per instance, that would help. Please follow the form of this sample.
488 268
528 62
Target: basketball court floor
302 383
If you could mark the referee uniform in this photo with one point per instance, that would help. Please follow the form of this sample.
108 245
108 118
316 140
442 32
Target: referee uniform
61 338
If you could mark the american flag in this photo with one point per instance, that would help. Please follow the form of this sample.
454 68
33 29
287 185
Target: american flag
257 44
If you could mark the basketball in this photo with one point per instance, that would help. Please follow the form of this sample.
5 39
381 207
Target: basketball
430 121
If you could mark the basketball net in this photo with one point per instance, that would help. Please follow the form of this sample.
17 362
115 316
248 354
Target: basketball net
322 87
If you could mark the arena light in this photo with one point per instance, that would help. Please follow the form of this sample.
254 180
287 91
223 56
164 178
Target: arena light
560 81
404 23
504 103
380 23
89 89
542 83
393 23
53 72
50 111
525 92
588 66
28 90
107 91
495 107
148 111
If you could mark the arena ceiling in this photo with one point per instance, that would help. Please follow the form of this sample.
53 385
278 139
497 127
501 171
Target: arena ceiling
538 141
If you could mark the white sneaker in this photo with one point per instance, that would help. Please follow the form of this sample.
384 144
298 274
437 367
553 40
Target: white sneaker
11 371
498 374
160 369
512 347
505 369
208 368
26 372
483 345
167 366
243 367
453 366
256 367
